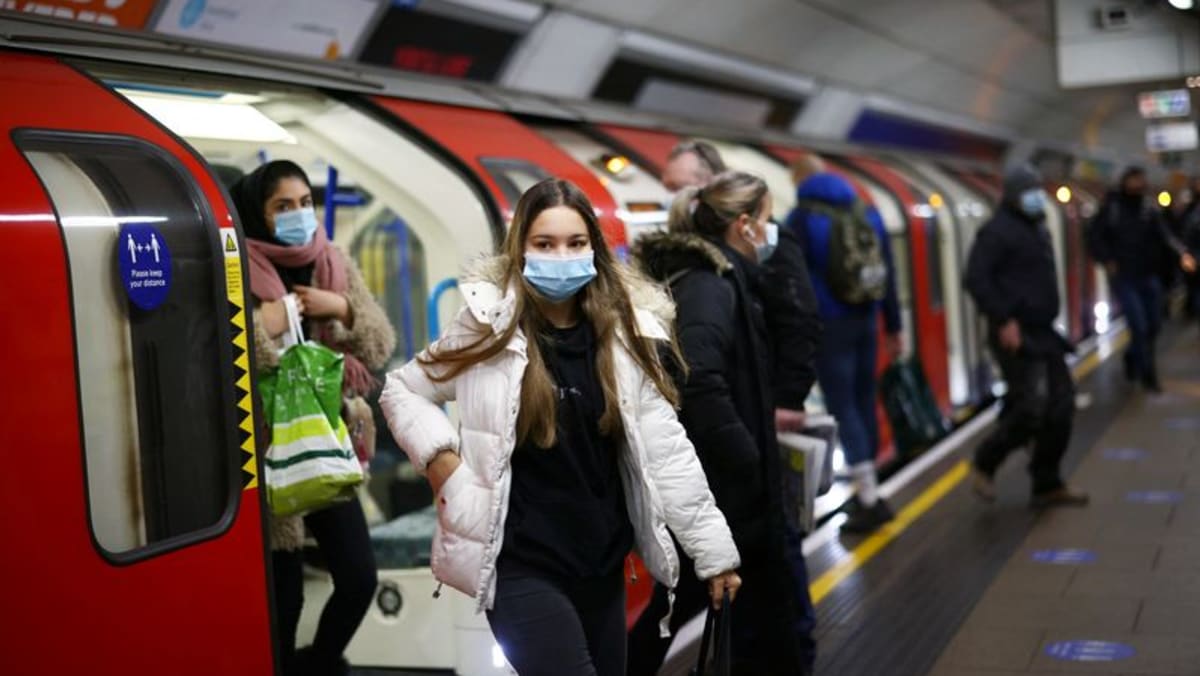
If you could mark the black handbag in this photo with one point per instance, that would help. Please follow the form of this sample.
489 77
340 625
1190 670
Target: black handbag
718 633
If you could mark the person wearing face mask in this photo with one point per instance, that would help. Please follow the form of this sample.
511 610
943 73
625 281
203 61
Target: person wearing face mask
1012 278
1130 238
826 206
568 451
712 257
289 254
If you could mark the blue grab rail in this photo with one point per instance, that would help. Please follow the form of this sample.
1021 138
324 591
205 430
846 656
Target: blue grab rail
431 310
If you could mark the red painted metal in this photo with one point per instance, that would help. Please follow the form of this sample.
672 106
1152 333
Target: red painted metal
199 610
652 145
932 344
472 134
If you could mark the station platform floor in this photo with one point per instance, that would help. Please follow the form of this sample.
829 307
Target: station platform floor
958 587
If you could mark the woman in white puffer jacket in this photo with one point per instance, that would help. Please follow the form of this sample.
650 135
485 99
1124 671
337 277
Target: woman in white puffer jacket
568 450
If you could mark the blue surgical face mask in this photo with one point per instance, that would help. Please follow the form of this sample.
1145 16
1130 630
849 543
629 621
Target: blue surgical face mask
1033 202
296 227
765 250
557 278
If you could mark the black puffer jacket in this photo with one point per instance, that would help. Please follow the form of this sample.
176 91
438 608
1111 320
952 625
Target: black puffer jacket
728 409
1011 275
1131 233
793 322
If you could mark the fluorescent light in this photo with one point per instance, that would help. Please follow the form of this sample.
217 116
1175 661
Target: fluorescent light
108 221
202 118
1182 4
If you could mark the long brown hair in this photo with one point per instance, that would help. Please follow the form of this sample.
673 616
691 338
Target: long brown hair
605 302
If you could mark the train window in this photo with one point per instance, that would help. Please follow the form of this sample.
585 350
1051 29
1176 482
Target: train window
156 380
513 176
934 261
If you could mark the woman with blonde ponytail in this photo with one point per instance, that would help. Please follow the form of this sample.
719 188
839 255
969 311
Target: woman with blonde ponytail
568 451
712 258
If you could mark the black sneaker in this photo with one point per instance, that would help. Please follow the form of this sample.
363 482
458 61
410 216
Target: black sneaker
867 519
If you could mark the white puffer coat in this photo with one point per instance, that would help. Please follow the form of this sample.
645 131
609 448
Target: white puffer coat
663 480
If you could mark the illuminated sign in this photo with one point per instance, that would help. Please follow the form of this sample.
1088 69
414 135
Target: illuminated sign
313 28
1165 103
1172 136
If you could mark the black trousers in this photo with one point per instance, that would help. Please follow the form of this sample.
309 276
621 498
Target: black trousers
772 618
1039 407
345 543
549 626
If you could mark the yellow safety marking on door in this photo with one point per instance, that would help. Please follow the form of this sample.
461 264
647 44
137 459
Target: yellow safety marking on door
234 290
876 542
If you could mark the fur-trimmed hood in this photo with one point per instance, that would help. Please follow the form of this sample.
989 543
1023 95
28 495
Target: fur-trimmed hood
663 254
482 287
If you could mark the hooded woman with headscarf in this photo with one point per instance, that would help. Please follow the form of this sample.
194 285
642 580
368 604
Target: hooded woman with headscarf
289 254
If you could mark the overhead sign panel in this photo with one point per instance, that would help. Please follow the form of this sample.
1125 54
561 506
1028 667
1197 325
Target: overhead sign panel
1172 136
314 28
1165 103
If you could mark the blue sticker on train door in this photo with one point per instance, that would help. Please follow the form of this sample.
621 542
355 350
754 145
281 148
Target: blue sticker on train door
145 263
1090 651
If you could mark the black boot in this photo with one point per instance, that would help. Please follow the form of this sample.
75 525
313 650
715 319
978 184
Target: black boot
866 519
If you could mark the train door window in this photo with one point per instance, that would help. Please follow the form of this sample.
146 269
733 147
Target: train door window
155 385
934 260
513 176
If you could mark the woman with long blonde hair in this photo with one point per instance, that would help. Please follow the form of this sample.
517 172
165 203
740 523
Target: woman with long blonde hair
568 452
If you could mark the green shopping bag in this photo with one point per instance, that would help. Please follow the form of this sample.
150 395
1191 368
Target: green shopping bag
311 461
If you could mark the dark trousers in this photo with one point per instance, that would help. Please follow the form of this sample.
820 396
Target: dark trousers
846 373
1039 406
773 618
553 627
1141 301
341 533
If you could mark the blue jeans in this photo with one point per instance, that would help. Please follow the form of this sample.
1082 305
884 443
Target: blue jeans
1141 301
846 373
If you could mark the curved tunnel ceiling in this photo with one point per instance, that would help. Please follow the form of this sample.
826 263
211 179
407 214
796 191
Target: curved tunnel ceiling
990 60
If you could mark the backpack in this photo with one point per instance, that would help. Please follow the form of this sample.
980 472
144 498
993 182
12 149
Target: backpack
856 272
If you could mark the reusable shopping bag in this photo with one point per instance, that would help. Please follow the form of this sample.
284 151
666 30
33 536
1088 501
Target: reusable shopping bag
311 461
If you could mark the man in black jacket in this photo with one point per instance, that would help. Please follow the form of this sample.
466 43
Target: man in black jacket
1011 276
1129 237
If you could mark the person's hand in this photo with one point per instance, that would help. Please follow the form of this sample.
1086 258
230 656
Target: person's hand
788 420
1188 263
1111 268
321 304
719 584
440 469
274 316
1010 335
893 346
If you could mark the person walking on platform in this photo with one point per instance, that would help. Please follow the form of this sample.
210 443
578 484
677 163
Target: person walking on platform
712 259
1012 278
290 254
854 279
568 451
1130 238
1189 232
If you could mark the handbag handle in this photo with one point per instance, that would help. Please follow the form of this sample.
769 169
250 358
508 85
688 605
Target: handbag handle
295 333
718 632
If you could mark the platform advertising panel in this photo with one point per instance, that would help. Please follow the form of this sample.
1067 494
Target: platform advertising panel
313 28
114 13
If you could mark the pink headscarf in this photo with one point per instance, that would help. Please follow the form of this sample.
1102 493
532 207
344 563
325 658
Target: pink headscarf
329 273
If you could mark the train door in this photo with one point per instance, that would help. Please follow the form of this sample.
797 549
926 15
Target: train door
969 211
507 156
1095 307
643 202
927 279
133 523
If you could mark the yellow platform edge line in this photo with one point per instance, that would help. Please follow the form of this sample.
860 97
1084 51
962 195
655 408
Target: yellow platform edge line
868 548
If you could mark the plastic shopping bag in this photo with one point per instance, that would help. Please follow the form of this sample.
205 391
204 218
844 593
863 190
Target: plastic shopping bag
311 461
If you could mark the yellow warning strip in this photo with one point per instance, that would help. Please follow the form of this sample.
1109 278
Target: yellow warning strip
868 548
